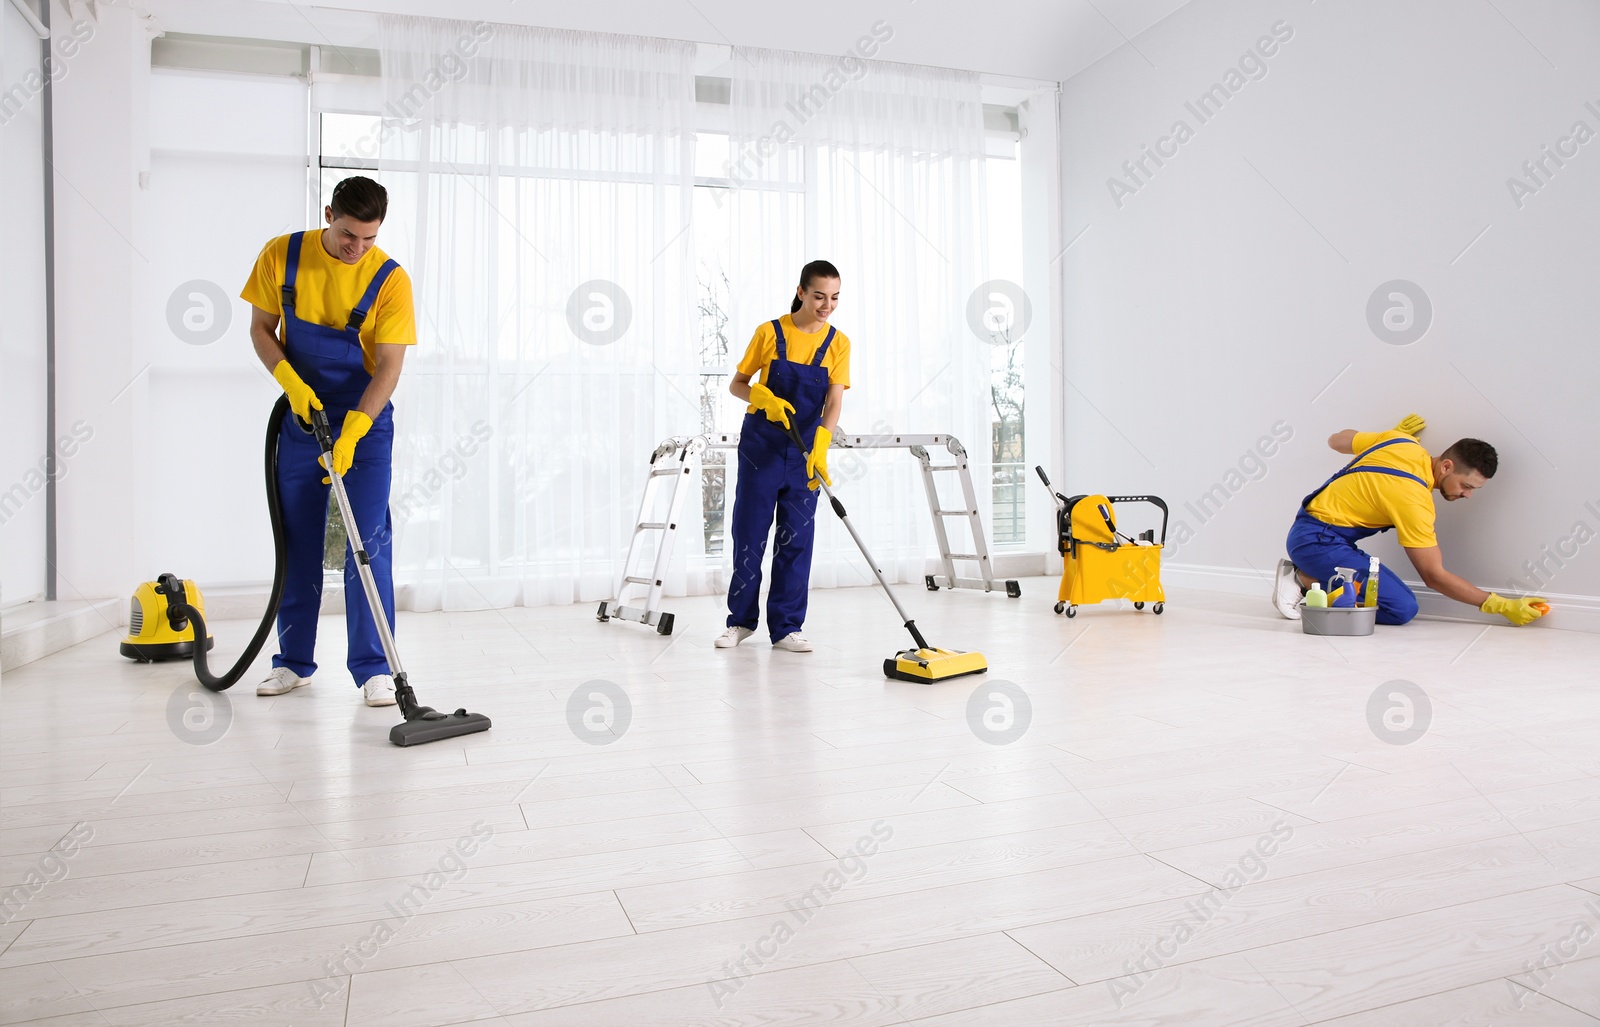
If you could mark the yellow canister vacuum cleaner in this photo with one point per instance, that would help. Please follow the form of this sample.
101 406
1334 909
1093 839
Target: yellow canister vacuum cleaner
168 614
157 627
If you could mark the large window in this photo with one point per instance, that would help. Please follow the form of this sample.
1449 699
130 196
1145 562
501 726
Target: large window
722 343
346 144
1003 185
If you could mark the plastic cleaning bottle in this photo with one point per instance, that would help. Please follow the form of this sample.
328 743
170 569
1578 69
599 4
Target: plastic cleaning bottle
1315 596
1341 588
1370 595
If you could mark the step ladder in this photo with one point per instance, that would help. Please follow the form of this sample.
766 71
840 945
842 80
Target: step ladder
980 546
672 467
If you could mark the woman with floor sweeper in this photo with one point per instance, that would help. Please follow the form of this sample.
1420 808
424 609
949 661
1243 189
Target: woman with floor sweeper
347 319
804 367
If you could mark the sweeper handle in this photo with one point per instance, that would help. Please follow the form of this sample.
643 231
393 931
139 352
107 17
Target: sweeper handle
838 508
422 723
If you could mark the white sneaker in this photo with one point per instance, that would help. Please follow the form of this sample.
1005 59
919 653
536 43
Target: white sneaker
379 690
280 680
793 642
1286 590
732 637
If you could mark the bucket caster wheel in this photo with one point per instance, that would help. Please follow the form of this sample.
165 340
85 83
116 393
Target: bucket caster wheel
600 614
664 625
1060 607
1072 611
933 586
1013 590
1158 607
1138 606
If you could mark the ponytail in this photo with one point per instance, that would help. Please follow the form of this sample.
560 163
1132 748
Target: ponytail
812 271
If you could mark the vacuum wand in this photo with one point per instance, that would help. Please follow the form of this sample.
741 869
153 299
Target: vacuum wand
403 694
838 508
422 723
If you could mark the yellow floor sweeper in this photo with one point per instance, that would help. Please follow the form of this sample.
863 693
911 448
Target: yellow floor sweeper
925 664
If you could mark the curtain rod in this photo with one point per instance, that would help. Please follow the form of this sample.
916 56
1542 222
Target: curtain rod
31 18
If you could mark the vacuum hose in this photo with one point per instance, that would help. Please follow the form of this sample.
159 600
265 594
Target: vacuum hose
280 548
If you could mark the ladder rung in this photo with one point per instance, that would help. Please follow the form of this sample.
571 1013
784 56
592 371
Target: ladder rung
965 556
956 513
640 581
945 467
653 526
658 472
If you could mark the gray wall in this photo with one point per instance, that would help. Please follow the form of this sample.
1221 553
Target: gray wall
1227 291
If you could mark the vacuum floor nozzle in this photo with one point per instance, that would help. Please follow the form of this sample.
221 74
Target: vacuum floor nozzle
432 726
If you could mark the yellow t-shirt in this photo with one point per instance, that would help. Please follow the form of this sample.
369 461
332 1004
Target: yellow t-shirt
801 348
326 289
1369 500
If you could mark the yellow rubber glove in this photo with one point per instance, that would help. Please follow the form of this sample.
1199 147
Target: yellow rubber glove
1411 424
356 425
817 459
777 410
1518 611
301 399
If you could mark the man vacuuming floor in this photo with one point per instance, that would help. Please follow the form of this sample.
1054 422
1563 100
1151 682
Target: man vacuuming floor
1390 484
347 320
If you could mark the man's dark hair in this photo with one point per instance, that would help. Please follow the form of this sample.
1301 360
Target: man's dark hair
1473 455
360 199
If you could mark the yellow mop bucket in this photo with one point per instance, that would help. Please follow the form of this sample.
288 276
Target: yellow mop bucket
1100 562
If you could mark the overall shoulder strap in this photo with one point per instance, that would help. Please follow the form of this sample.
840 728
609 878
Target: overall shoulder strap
1351 468
777 329
358 315
822 350
1373 449
1395 471
291 269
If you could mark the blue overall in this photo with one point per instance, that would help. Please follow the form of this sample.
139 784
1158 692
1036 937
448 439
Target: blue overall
329 361
772 480
1317 547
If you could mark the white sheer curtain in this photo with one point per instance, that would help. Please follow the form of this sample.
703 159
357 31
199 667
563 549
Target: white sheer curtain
878 168
540 195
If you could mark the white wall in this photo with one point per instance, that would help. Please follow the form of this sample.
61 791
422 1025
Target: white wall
1228 292
129 464
227 173
22 313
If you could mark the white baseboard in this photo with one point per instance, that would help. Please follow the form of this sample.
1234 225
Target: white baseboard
1570 612
32 631
1023 565
249 603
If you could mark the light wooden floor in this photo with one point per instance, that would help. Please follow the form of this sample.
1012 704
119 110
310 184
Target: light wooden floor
1199 825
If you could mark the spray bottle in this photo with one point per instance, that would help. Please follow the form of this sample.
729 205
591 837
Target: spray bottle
1370 595
1342 588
